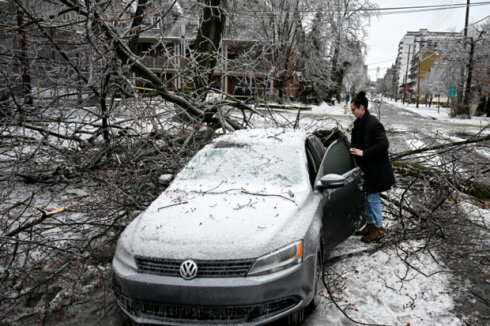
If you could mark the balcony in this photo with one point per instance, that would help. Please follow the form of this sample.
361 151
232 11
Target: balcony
159 62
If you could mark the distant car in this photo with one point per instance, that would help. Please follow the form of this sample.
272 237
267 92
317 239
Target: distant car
242 93
240 235
377 99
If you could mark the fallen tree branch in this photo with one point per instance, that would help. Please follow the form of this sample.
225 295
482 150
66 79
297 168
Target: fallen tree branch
44 215
47 132
441 146
473 188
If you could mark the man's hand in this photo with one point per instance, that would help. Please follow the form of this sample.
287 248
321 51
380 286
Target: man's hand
357 152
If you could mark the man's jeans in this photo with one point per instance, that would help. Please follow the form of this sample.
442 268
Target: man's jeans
372 209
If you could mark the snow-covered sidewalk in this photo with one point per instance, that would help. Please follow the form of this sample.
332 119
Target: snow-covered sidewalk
438 113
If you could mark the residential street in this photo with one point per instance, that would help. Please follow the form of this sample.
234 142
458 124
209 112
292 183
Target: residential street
200 162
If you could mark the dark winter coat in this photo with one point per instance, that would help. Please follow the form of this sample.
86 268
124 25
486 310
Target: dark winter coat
369 136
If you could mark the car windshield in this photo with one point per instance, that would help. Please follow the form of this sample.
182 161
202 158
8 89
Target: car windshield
239 165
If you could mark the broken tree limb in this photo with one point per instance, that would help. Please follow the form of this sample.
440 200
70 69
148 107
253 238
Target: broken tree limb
476 189
47 132
44 215
441 146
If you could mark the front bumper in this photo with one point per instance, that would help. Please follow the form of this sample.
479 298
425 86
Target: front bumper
163 300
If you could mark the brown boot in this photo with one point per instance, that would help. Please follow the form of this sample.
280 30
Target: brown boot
367 229
375 235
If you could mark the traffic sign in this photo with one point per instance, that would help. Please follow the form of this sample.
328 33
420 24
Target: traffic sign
452 91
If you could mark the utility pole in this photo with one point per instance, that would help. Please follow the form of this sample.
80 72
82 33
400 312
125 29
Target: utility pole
467 90
466 20
463 98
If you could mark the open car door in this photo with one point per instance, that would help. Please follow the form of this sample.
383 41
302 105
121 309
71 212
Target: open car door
341 183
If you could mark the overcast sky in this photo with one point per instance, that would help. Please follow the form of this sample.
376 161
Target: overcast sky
386 31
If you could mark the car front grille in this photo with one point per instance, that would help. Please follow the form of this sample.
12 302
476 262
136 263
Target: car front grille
205 268
194 314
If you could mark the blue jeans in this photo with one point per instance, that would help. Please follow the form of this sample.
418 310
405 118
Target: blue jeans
372 210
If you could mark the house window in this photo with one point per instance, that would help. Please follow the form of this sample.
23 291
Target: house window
156 22
66 16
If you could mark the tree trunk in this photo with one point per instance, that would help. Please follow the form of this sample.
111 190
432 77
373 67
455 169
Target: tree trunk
335 58
136 24
467 91
104 110
24 60
206 47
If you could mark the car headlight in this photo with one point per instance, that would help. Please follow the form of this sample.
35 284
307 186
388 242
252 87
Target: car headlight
278 260
124 255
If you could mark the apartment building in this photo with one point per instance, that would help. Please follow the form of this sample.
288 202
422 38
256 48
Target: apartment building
422 46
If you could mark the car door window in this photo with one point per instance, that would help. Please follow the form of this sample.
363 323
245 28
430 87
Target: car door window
337 159
342 206
312 166
316 148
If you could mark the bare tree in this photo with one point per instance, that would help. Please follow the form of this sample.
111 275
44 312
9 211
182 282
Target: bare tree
455 58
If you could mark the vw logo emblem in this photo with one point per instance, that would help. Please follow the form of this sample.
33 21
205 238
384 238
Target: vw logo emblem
188 269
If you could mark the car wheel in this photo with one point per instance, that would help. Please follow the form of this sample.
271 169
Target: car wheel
133 323
296 318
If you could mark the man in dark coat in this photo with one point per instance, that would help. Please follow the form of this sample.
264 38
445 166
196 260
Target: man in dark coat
370 148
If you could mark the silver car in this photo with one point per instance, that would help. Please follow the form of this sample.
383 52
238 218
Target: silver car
240 235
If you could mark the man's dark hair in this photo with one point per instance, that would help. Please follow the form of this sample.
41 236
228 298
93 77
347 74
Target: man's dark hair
360 99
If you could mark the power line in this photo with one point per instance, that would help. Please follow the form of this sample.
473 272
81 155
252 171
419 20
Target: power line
422 10
244 15
436 16
428 8
479 20
443 16
376 63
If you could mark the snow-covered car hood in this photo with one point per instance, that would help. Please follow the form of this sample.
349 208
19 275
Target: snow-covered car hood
231 225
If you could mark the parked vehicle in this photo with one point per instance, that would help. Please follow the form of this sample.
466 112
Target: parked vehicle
240 235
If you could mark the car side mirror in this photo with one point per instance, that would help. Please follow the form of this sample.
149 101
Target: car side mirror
331 181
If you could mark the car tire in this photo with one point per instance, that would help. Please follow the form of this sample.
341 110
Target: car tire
296 318
132 323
